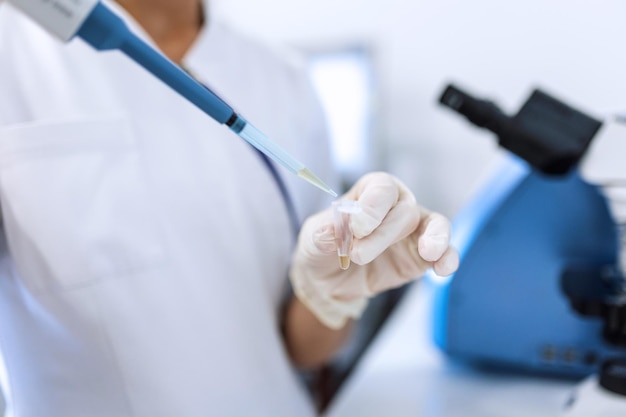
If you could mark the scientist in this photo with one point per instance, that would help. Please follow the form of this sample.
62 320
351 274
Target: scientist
144 250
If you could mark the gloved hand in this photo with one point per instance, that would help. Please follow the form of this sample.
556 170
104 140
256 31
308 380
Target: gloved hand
395 242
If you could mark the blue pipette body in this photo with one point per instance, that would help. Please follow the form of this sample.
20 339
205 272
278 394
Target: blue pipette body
104 30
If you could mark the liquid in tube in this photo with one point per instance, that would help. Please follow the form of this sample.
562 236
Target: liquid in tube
344 261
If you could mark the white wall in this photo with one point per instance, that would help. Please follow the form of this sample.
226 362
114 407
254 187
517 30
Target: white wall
574 49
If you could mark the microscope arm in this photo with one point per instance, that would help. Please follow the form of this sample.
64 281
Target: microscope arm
604 165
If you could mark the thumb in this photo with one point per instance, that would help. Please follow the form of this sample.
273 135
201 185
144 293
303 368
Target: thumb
318 234
324 239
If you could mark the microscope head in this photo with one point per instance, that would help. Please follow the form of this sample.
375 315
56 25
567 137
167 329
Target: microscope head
550 135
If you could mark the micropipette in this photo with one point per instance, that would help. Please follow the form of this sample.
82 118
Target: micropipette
104 30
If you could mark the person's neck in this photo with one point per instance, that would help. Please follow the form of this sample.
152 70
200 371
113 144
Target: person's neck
172 24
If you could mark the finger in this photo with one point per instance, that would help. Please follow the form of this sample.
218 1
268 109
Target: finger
399 223
377 194
448 263
434 240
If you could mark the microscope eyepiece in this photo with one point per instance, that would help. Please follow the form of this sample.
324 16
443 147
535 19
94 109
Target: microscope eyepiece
546 133
482 113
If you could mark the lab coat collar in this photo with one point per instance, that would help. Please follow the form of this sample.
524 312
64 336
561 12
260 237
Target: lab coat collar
130 21
206 48
139 30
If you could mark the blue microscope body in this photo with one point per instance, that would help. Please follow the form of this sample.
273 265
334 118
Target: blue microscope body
510 304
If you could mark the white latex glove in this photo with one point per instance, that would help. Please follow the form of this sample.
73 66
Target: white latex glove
395 241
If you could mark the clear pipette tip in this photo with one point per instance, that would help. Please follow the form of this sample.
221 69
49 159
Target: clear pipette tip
307 175
256 138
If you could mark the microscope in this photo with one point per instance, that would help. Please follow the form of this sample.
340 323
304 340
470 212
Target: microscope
541 284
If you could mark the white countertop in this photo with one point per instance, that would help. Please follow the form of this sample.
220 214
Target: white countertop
404 374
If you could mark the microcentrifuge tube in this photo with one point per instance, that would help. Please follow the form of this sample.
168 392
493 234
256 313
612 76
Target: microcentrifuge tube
343 211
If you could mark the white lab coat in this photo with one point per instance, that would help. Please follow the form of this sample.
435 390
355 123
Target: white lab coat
144 247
